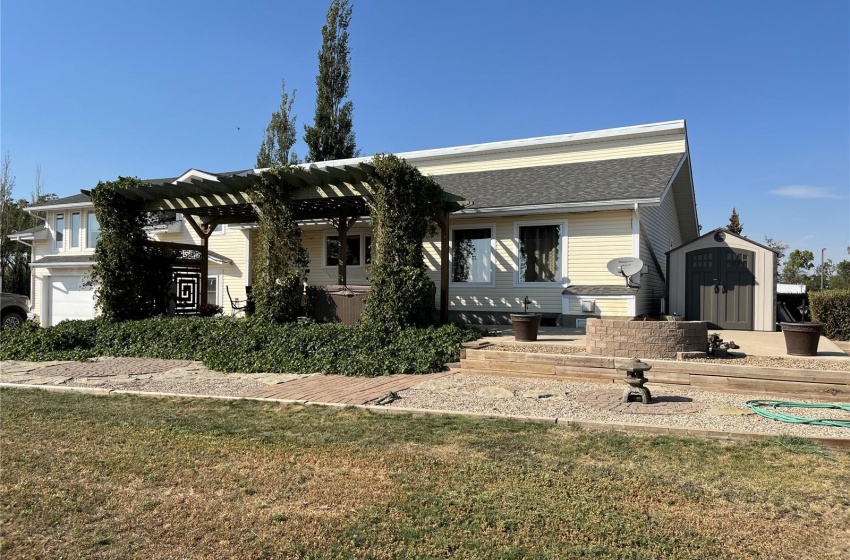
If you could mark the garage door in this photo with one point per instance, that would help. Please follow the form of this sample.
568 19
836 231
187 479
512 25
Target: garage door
69 299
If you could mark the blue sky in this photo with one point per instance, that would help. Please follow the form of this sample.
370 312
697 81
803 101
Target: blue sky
91 90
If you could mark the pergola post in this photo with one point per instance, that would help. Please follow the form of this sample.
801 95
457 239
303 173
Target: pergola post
204 231
342 226
443 218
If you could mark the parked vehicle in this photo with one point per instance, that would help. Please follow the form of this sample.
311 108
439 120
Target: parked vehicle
14 310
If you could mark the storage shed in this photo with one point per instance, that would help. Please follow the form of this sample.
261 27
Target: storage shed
724 279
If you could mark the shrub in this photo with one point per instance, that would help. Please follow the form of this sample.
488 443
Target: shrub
832 308
248 345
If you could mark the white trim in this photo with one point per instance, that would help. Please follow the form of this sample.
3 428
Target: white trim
218 276
673 177
492 282
80 205
636 232
84 264
248 261
564 251
197 173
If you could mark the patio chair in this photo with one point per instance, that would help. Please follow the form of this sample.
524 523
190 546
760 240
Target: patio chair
235 305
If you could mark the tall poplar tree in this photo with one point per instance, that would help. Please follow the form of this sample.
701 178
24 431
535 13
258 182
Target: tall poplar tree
276 149
332 133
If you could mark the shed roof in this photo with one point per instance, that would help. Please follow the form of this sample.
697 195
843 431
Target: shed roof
727 232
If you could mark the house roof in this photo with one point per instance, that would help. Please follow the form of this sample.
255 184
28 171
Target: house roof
591 181
64 260
74 199
28 231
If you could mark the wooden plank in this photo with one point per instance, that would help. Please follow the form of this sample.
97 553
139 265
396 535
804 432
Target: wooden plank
508 366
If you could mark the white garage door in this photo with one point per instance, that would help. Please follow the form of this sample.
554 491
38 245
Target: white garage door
69 299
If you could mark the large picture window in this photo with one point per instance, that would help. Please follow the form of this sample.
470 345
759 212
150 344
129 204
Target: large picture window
540 253
352 250
472 256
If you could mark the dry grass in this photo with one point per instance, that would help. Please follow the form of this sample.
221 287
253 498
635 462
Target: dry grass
122 477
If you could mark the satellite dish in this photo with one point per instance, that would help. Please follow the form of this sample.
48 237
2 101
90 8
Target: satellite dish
625 267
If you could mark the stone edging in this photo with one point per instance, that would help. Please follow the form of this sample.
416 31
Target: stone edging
830 442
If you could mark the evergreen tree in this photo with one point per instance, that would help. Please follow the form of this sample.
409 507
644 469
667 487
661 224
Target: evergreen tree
735 225
276 149
332 134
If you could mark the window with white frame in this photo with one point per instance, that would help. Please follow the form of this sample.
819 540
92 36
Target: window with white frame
76 225
472 255
352 250
212 290
367 250
92 230
540 252
219 230
59 226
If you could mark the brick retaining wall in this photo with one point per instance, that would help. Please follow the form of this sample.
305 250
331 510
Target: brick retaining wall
645 339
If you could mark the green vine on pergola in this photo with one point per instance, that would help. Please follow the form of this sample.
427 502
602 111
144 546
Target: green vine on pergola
405 207
130 276
282 267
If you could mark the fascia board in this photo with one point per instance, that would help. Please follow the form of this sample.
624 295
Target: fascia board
557 207
80 205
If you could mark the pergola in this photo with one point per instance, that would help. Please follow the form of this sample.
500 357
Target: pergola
334 191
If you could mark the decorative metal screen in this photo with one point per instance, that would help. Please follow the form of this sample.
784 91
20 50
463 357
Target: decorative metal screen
187 290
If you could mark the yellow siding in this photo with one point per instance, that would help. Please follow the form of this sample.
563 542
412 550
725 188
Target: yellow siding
594 239
233 245
591 151
661 225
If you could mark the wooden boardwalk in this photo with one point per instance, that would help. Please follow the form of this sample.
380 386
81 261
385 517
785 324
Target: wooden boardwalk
339 389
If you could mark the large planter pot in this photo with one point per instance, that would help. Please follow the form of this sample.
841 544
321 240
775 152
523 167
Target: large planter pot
801 339
525 326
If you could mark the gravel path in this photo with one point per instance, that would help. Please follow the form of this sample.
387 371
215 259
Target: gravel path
723 411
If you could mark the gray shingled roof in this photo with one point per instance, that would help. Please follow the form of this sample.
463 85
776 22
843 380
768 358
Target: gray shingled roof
599 291
73 199
64 259
590 181
34 229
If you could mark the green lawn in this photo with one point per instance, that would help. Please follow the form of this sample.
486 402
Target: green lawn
125 477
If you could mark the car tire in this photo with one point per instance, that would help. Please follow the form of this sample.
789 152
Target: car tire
13 320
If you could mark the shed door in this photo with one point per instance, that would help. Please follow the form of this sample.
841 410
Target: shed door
69 299
719 287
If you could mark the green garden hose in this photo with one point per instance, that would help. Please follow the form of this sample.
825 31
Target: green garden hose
772 411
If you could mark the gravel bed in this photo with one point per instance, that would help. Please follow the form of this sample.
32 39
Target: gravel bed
211 387
459 392
734 358
536 348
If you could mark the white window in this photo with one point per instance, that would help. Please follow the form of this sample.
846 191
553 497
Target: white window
541 252
219 230
352 251
60 231
76 225
472 256
92 230
212 290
